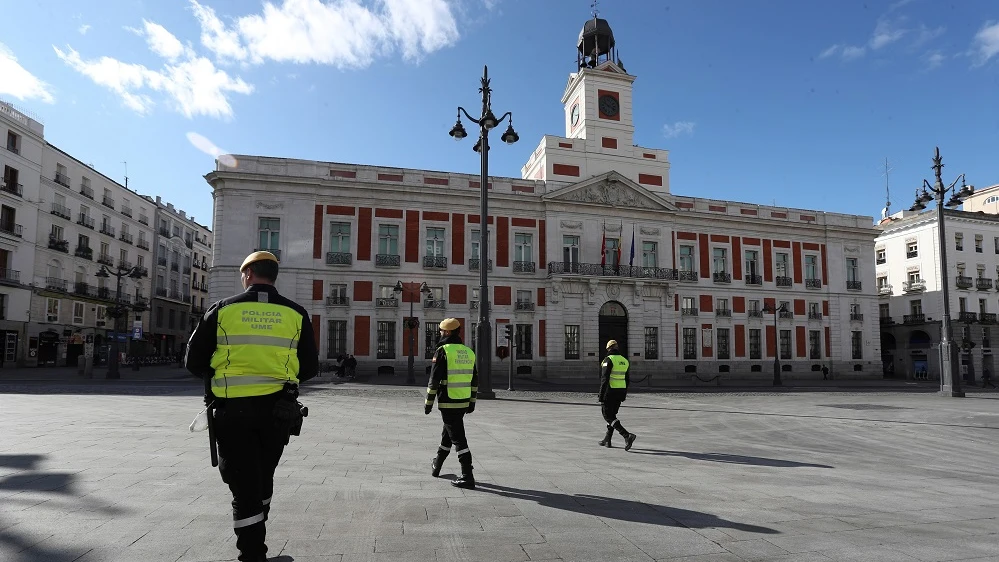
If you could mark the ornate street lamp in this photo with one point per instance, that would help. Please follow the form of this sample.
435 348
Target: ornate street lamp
412 324
950 381
776 310
486 122
119 310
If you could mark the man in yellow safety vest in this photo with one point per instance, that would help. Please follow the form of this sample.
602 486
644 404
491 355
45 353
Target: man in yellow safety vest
613 390
255 347
454 382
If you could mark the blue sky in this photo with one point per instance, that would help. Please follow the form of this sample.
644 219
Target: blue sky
797 103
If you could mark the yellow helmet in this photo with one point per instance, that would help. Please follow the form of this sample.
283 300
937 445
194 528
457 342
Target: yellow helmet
450 324
257 256
611 343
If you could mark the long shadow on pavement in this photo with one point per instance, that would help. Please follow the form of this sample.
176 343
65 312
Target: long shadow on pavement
733 459
622 510
16 539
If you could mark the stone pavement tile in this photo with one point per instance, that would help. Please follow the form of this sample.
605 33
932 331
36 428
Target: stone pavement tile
938 550
819 543
874 553
290 528
463 553
801 557
759 549
361 529
719 557
813 526
906 533
595 547
490 524
329 546
540 551
395 556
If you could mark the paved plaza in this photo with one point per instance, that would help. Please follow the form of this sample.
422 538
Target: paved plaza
102 472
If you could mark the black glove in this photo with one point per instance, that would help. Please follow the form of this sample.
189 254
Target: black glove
471 407
209 398
426 410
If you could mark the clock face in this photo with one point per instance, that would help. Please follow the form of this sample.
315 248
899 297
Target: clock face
608 105
574 115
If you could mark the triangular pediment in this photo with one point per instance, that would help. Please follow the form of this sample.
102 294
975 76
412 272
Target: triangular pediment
611 190
610 66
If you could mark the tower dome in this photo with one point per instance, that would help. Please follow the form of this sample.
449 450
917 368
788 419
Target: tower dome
596 43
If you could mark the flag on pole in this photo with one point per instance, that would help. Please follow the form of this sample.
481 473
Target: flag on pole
603 247
619 234
631 261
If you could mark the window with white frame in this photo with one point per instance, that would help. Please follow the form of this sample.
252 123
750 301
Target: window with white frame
755 348
523 247
911 249
752 263
811 266
268 233
340 237
959 241
51 310
785 344
652 342
686 258
79 309
101 316
386 292
570 249
857 344
649 254
852 270
435 242
690 343
722 343
388 239
473 243
571 341
523 297
719 260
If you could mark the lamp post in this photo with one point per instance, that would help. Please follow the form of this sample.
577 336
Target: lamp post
950 381
776 310
486 121
116 312
412 324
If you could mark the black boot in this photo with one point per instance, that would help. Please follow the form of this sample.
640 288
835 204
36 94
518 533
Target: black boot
466 481
606 441
435 466
629 441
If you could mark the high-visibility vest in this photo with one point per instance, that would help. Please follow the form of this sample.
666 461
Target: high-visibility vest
256 349
460 363
619 366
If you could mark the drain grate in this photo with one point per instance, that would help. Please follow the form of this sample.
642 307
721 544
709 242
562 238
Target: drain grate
865 407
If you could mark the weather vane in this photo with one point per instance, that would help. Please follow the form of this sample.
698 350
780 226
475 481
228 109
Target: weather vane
593 7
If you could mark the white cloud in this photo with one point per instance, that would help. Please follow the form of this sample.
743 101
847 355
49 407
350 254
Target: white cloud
214 35
934 59
162 42
829 52
18 82
886 33
344 34
678 128
851 52
83 29
194 85
986 43
208 147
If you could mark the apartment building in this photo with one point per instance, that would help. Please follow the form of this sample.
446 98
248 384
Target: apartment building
201 263
590 244
173 276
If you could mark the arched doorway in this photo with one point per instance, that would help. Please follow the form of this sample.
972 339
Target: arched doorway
48 348
919 343
888 355
613 325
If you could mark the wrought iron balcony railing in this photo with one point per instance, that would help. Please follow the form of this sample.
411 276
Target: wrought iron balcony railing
987 317
884 290
912 254
61 179
754 279
142 243
108 202
967 317
813 283
913 318
85 220
59 245
107 229
688 312
84 252
474 305
723 312
433 303
127 211
983 284
963 282
880 261
339 258
524 267
105 259
387 260
597 270
86 192
387 302
12 188
61 211
784 281
56 284
687 276
434 262
786 315
913 286
8 227
524 305
338 301
475 263
754 313
721 277
886 320
10 276
815 316
143 219
856 317
854 285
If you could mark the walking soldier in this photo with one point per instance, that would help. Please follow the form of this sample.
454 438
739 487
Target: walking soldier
453 382
613 390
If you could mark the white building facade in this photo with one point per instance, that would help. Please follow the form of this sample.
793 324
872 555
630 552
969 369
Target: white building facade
173 278
201 263
688 302
909 280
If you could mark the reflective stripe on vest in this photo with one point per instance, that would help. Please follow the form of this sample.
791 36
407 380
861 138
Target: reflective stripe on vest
619 366
256 349
460 363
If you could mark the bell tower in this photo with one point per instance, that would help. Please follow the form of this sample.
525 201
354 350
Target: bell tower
597 98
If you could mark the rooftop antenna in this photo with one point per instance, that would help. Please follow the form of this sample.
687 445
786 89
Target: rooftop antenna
887 209
126 174
593 8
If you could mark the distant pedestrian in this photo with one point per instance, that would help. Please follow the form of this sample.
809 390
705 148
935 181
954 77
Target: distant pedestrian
987 378
614 380
825 372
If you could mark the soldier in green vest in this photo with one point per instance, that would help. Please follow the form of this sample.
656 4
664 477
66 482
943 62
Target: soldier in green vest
453 383
613 390
254 347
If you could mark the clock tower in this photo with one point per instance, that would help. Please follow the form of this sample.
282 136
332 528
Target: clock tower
599 127
597 97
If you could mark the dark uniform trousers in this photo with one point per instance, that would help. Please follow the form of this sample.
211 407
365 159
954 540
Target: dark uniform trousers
609 408
250 446
454 434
